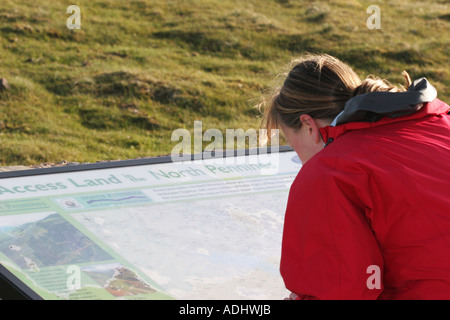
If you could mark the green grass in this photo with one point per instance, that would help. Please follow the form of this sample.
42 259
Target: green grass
137 70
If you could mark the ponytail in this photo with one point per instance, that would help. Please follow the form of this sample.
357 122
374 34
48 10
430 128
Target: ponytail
372 84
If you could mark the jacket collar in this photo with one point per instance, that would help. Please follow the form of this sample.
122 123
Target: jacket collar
375 105
433 108
378 108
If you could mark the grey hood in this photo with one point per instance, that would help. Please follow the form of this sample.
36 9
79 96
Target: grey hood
375 105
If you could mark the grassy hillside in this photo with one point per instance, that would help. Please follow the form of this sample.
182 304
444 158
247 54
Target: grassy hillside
139 69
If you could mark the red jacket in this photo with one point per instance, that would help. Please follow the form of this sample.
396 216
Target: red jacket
375 199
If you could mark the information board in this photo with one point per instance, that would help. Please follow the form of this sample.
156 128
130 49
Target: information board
148 229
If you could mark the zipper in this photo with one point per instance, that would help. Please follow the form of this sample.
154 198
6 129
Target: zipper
330 140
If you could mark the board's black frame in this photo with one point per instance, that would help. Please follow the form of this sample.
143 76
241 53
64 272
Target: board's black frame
12 288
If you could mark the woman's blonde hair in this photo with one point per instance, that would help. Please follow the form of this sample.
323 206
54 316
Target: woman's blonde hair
318 85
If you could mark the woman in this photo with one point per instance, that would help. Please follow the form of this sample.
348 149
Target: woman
368 216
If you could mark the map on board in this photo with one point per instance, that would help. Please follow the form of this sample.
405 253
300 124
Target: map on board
203 229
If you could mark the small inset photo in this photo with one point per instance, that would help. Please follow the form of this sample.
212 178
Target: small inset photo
69 203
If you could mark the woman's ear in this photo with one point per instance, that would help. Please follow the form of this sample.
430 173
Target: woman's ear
311 127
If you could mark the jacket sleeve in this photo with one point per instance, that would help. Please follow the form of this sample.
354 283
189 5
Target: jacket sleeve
329 250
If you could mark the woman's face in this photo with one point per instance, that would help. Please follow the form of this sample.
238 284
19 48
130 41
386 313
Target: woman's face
306 140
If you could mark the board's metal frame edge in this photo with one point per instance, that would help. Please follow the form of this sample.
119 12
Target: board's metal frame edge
12 288
136 162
